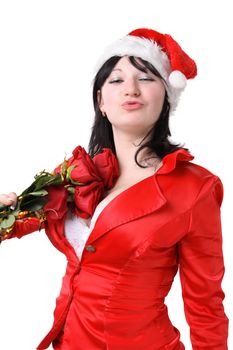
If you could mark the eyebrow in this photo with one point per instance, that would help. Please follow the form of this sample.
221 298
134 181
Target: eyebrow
120 70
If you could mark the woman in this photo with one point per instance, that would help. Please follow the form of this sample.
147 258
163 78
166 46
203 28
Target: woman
144 212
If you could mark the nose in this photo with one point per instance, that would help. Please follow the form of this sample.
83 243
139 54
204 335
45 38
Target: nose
131 88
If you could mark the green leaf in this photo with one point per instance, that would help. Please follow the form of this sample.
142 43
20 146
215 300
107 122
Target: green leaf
4 207
64 167
69 170
47 180
40 193
8 222
15 212
5 210
29 189
41 181
71 189
32 203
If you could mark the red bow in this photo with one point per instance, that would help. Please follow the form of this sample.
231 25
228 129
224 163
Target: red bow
91 176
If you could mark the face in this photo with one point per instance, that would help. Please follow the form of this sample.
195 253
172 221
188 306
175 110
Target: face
131 99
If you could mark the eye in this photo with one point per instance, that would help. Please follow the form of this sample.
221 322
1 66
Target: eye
146 78
117 80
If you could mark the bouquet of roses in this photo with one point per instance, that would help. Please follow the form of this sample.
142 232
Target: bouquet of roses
78 183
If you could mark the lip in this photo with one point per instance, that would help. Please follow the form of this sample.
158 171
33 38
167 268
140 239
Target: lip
131 105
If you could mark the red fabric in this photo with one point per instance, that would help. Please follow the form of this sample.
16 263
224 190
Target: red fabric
114 297
179 59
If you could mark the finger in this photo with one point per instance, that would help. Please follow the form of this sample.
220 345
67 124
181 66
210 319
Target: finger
6 199
13 196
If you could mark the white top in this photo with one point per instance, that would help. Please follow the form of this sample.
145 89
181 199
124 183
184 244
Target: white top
77 231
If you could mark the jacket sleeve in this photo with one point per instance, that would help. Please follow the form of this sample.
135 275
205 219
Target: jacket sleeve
202 270
23 227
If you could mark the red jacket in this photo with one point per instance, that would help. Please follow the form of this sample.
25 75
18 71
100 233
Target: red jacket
113 299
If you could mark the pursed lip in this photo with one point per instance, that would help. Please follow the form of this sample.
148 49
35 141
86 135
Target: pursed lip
129 105
130 102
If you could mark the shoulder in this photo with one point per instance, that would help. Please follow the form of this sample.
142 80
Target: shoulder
192 171
187 180
204 182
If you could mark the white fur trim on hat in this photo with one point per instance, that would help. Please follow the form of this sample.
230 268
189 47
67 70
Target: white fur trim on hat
144 48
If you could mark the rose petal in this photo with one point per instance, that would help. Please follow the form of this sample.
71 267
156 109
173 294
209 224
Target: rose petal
87 197
56 207
107 166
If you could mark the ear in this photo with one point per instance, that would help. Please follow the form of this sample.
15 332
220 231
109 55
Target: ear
99 99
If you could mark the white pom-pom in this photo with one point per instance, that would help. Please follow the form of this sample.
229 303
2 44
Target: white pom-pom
177 80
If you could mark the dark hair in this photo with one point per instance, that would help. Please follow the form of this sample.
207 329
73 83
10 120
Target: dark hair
102 134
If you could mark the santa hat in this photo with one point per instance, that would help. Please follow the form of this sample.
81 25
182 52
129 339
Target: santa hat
162 51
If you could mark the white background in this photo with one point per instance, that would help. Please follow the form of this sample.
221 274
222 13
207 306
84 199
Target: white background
48 50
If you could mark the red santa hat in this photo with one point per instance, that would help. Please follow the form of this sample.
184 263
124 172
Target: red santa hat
162 51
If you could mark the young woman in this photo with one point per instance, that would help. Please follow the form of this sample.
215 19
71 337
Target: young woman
144 212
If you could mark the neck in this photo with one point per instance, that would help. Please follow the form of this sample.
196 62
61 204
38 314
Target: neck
126 147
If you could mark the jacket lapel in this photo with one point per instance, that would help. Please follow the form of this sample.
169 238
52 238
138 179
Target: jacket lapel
138 200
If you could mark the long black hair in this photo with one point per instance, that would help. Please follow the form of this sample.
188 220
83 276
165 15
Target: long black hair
102 135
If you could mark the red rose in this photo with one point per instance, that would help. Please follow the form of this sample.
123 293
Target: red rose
56 207
107 165
84 170
89 177
87 197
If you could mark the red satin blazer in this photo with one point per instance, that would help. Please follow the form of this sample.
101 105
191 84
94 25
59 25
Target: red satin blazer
113 299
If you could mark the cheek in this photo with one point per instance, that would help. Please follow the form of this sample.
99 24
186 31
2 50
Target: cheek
158 101
109 99
106 95
160 96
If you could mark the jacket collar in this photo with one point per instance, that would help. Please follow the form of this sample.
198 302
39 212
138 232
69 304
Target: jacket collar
170 161
138 200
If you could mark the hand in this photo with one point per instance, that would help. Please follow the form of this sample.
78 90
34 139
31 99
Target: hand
8 199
